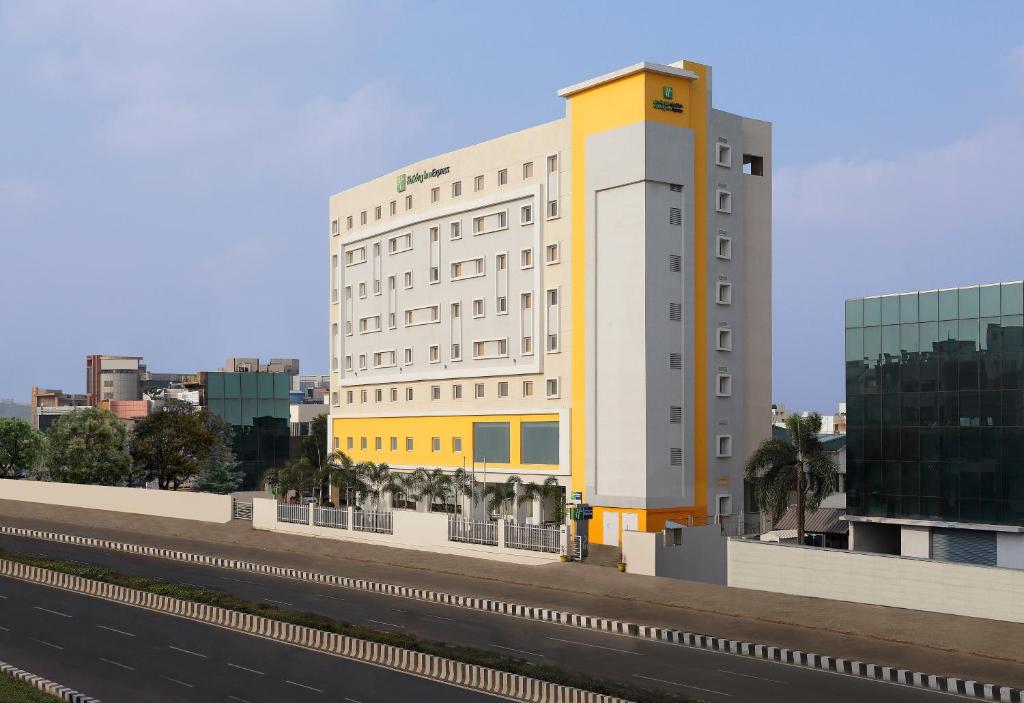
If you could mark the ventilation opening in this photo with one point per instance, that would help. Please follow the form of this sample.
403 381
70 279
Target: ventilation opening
675 457
675 312
753 165
675 216
675 414
675 188
675 263
675 360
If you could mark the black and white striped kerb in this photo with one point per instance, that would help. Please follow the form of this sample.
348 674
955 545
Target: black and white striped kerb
62 692
945 684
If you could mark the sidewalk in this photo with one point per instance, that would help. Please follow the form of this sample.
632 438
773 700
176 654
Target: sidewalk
969 648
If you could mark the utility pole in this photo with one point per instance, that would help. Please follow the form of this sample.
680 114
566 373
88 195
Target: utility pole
799 486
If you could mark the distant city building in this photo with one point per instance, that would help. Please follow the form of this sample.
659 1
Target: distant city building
830 424
113 378
9 408
49 402
128 410
935 401
253 365
303 414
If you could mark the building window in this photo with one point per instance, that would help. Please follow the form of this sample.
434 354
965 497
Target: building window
377 213
456 231
527 389
378 443
362 217
723 156
408 444
435 392
753 165
408 355
348 362
526 258
334 227
527 170
362 362
478 390
435 234
393 207
723 385
551 387
456 189
503 176
526 345
407 280
408 202
394 444
724 339
456 444
723 293
526 215
362 396
435 353
348 442
478 307
456 391
723 201
394 395
723 446
501 305
553 163
723 247
435 274
334 398
478 183
456 310
551 253
552 208
379 396
348 397
408 393
362 442
490 349
435 444
456 352
435 194
503 389
362 289
348 222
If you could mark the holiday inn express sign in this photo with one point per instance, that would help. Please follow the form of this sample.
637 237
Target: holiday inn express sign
405 179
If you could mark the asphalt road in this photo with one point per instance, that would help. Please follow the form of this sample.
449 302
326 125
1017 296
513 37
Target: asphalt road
122 654
706 675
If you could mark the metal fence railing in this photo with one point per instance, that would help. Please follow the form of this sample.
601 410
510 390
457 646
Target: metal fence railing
331 517
372 521
581 547
241 509
293 513
475 531
533 537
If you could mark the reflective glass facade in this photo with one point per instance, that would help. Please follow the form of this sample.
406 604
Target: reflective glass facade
256 405
935 405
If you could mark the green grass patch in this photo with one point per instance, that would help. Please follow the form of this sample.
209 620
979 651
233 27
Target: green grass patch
469 655
14 690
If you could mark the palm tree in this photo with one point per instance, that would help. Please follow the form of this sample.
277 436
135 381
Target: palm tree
295 475
347 475
463 485
549 492
501 497
376 479
435 485
780 467
405 486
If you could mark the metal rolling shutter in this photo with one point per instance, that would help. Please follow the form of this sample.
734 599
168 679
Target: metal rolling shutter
964 546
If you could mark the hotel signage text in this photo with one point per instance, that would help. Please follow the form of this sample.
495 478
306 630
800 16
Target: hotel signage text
420 176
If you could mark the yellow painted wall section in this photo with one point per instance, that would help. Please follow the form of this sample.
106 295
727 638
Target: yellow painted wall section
647 520
422 430
609 106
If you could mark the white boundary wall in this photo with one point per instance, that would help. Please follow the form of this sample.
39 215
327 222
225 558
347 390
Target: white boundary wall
878 579
183 505
426 532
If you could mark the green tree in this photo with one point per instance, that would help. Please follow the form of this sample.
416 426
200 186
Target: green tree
377 480
347 476
435 486
22 448
314 445
778 468
173 446
405 486
463 485
220 473
501 497
549 493
294 475
89 445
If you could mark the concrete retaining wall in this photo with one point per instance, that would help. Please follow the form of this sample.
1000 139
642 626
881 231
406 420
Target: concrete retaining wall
700 555
54 689
184 505
426 532
502 683
878 579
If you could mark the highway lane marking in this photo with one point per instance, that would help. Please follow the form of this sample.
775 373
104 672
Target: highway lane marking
438 617
3 597
55 612
353 700
48 644
596 646
245 668
188 651
381 622
279 602
180 683
240 700
302 685
5 629
251 583
114 629
751 676
123 666
513 649
398 610
683 685
320 595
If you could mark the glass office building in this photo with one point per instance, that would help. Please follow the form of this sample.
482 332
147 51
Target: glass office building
935 411
256 405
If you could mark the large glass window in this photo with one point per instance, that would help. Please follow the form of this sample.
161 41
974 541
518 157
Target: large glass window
855 313
539 441
491 442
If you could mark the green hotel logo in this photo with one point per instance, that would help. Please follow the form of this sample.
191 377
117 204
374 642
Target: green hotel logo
407 179
666 92
401 183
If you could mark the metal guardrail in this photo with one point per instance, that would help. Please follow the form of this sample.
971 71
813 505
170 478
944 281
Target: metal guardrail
241 510
581 547
331 517
533 537
372 521
473 531
293 513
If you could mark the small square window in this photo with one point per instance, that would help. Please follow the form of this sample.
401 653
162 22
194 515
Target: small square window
478 307
503 176
724 339
551 387
723 293
457 392
723 201
362 217
348 442
723 155
377 213
408 355
455 230
378 443
408 444
408 393
500 262
723 247
456 189
334 398
362 442
503 389
723 446
551 253
362 396
378 395
526 259
553 163
362 363
527 170
435 444
753 165
348 222
393 207
526 215
334 227
408 202
435 195
362 289
501 305
527 389
478 390
526 345
435 353
456 352
552 208
348 397
407 280
478 183
394 395
723 385
456 444
394 444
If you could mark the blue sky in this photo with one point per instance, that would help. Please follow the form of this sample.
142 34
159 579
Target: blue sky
166 166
